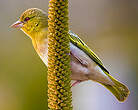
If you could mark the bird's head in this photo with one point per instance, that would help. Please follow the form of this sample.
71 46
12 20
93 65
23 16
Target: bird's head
32 21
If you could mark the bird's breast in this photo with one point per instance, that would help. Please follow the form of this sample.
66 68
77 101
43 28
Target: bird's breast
42 50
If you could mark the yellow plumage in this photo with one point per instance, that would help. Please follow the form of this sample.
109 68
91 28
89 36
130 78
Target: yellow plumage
85 65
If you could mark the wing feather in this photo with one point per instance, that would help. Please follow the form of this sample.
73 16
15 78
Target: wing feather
80 44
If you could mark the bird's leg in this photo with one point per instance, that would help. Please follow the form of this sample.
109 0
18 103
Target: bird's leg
75 83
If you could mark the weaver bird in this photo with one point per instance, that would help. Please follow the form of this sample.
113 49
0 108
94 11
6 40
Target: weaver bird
85 64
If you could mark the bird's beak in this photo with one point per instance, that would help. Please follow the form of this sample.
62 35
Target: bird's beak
17 24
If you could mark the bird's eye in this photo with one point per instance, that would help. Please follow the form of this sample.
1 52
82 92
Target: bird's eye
26 19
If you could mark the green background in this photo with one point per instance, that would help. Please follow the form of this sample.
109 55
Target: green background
109 27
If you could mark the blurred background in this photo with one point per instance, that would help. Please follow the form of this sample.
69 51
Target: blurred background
109 27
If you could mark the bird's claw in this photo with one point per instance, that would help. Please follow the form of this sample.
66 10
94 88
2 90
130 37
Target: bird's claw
75 83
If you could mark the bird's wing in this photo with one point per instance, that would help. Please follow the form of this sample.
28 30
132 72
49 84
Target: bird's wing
80 44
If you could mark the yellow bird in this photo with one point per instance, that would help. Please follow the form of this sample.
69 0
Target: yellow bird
85 64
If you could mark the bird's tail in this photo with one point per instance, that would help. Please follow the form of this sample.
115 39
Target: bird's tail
119 90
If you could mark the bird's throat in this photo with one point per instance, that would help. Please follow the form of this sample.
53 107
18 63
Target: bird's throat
40 42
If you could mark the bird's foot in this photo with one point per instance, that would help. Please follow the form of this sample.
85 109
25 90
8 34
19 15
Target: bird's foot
75 83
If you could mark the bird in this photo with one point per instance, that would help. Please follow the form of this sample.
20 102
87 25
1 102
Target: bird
85 64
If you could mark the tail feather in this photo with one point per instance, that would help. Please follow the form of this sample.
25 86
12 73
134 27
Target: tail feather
119 90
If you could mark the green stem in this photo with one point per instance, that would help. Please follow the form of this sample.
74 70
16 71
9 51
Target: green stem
59 82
